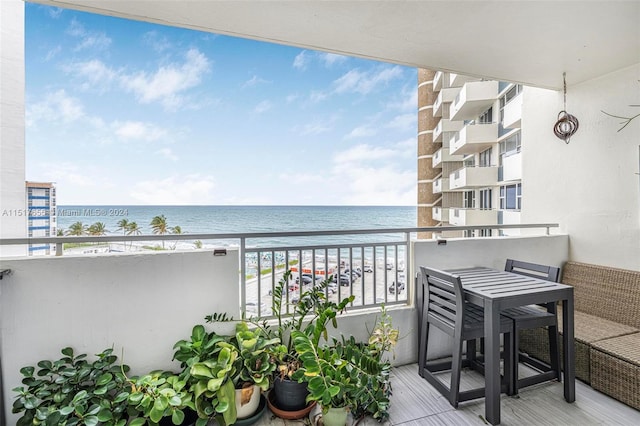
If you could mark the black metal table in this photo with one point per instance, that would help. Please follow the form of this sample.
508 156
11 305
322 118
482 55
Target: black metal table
497 290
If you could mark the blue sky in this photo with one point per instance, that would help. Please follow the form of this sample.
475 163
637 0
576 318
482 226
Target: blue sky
125 112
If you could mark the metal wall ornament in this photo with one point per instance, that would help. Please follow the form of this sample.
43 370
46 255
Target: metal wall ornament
567 124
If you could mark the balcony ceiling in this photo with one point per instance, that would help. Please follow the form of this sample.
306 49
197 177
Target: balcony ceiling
530 42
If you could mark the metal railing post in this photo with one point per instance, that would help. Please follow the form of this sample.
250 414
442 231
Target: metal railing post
243 275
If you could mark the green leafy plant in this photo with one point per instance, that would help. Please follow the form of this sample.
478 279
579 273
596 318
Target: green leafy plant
347 373
215 366
372 398
73 391
158 395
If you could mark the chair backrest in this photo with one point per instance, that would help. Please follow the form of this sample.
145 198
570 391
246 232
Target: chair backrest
544 272
443 300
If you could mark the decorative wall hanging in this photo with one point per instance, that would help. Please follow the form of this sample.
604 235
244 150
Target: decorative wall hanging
567 124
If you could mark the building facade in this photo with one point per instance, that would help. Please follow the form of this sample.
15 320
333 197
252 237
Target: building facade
469 152
41 208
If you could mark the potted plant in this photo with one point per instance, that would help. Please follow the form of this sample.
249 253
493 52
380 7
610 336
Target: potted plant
346 374
161 397
74 391
227 374
290 396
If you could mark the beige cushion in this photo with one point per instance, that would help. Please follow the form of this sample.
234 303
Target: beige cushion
590 328
624 347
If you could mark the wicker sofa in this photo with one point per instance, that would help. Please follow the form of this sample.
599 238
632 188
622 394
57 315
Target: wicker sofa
607 329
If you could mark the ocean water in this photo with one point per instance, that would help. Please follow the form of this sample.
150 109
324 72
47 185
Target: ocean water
247 219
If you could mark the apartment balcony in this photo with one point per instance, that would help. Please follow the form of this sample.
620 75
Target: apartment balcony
445 126
440 185
440 214
474 98
511 168
443 155
445 96
474 138
438 81
473 177
458 80
513 113
102 301
468 217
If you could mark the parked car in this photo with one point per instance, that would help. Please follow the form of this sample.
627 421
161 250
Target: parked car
355 273
367 268
399 285
306 279
345 279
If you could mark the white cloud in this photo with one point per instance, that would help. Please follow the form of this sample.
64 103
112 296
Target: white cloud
317 96
263 106
315 128
94 73
372 176
52 53
157 42
56 106
404 122
55 12
88 39
68 175
330 59
301 60
168 83
137 130
253 81
168 154
292 98
175 190
361 132
356 81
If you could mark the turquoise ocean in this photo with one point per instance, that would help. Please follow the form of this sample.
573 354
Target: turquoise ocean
247 219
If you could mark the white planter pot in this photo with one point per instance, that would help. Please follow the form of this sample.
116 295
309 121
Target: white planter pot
247 401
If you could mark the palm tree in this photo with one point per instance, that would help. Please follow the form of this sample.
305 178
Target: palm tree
176 230
132 229
77 229
159 226
60 232
197 244
123 225
97 229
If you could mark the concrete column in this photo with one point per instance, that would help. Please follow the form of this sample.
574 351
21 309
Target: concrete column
426 148
13 217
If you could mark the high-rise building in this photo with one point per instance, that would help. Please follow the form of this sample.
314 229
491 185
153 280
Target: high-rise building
41 208
469 152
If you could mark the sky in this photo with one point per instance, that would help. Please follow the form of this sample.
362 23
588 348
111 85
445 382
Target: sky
122 112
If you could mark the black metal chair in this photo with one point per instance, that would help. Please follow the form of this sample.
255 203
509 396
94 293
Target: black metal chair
444 307
527 317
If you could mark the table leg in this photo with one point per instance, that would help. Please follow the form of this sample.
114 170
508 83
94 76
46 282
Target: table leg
569 350
492 362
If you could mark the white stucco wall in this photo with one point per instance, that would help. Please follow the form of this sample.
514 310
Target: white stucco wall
139 304
13 220
589 186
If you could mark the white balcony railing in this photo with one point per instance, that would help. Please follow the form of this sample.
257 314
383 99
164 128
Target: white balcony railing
473 177
466 217
512 113
445 126
474 98
440 185
458 80
443 155
441 214
474 138
512 167
438 80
